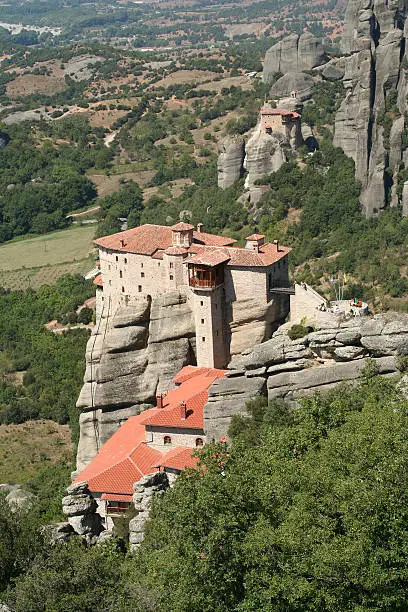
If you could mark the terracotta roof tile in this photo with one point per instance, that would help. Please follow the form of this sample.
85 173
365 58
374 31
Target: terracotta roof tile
210 257
212 240
148 239
176 250
255 237
117 497
182 227
126 456
179 458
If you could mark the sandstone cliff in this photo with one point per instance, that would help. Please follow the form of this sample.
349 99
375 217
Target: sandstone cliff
131 355
290 369
376 83
293 54
231 154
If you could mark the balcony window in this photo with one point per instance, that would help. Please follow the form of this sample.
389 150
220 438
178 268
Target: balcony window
167 440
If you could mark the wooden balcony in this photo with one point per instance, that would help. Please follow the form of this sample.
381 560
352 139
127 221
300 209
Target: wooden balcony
205 277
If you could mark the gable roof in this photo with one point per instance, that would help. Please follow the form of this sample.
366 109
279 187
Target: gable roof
194 392
126 456
147 239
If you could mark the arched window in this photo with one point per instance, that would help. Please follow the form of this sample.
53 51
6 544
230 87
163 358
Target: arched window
199 442
167 440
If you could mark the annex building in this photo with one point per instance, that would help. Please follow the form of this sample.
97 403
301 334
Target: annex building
150 260
159 439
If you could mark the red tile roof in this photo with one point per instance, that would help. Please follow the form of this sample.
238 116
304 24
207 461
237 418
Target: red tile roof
255 237
182 227
176 250
147 239
210 257
126 456
98 280
194 392
266 255
179 458
116 497
266 110
212 240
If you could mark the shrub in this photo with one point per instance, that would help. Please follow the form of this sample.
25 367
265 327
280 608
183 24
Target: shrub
298 331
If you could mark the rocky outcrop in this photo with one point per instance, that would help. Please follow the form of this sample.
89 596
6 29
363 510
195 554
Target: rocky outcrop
265 153
290 369
80 508
16 496
231 155
58 533
293 81
144 492
373 32
131 355
293 54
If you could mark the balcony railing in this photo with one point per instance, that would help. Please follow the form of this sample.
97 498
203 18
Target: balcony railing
202 283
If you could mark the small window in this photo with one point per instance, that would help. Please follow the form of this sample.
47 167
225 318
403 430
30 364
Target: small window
117 258
123 290
158 263
203 339
120 274
139 288
141 265
202 321
110 282
142 274
216 307
218 332
102 298
199 442
171 264
125 259
167 440
171 277
201 303
108 267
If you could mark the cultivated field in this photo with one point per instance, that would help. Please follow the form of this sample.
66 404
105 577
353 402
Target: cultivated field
41 260
27 448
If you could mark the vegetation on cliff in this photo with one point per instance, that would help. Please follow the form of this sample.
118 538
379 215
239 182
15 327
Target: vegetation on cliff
306 510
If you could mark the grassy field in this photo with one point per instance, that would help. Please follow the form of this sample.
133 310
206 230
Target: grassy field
30 447
41 260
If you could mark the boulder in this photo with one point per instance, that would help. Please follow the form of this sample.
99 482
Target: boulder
293 54
18 498
86 524
78 504
134 313
231 155
265 154
293 81
58 533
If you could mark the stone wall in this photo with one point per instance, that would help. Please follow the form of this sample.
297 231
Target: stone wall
290 369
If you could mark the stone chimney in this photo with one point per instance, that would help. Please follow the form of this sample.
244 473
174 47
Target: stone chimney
276 244
159 400
200 227
183 410
122 243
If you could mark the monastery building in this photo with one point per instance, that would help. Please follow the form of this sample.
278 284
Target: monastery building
150 260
